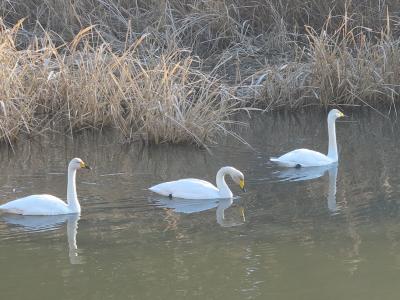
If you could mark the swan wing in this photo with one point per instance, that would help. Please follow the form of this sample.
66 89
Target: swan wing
36 205
302 157
190 188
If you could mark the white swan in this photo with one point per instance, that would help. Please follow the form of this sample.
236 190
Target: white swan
36 205
309 158
199 189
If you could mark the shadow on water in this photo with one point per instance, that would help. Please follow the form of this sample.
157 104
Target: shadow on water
312 234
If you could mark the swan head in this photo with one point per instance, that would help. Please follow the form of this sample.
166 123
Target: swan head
77 163
237 177
335 114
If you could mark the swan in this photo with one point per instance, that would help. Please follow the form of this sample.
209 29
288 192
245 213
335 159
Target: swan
47 205
192 188
309 158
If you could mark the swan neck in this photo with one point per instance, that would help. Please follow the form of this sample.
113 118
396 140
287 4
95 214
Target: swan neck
72 197
223 188
332 150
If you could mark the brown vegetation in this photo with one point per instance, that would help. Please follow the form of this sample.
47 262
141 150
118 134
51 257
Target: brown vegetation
176 71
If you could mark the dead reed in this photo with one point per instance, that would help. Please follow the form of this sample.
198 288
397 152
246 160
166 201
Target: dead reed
177 70
145 95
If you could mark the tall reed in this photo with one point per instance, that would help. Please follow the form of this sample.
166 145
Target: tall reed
144 94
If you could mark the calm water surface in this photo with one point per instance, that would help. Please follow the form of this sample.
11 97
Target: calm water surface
306 234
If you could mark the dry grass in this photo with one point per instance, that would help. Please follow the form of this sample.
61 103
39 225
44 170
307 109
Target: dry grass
156 98
177 70
339 68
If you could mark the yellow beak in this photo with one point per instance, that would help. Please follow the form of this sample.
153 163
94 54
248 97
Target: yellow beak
241 184
85 166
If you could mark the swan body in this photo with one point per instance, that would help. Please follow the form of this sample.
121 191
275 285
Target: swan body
310 158
48 205
303 158
192 188
36 205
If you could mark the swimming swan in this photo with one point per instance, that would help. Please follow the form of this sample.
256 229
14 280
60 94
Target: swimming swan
310 158
47 205
199 189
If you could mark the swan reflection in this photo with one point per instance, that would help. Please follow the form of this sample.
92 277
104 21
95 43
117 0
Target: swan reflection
49 223
188 206
222 205
302 174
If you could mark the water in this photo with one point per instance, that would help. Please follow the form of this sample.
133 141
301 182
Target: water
306 234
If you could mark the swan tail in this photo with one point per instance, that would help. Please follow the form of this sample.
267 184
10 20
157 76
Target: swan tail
156 189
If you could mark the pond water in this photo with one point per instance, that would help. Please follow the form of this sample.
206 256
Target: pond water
305 234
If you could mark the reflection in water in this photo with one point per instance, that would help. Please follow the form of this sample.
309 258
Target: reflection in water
303 174
189 206
186 206
48 223
222 205
332 206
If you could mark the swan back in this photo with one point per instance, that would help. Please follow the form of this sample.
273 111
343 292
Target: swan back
189 188
36 205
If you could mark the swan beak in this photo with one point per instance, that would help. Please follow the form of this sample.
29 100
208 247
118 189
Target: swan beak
342 115
85 166
242 214
241 184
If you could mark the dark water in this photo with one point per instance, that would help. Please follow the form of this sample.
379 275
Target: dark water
333 236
